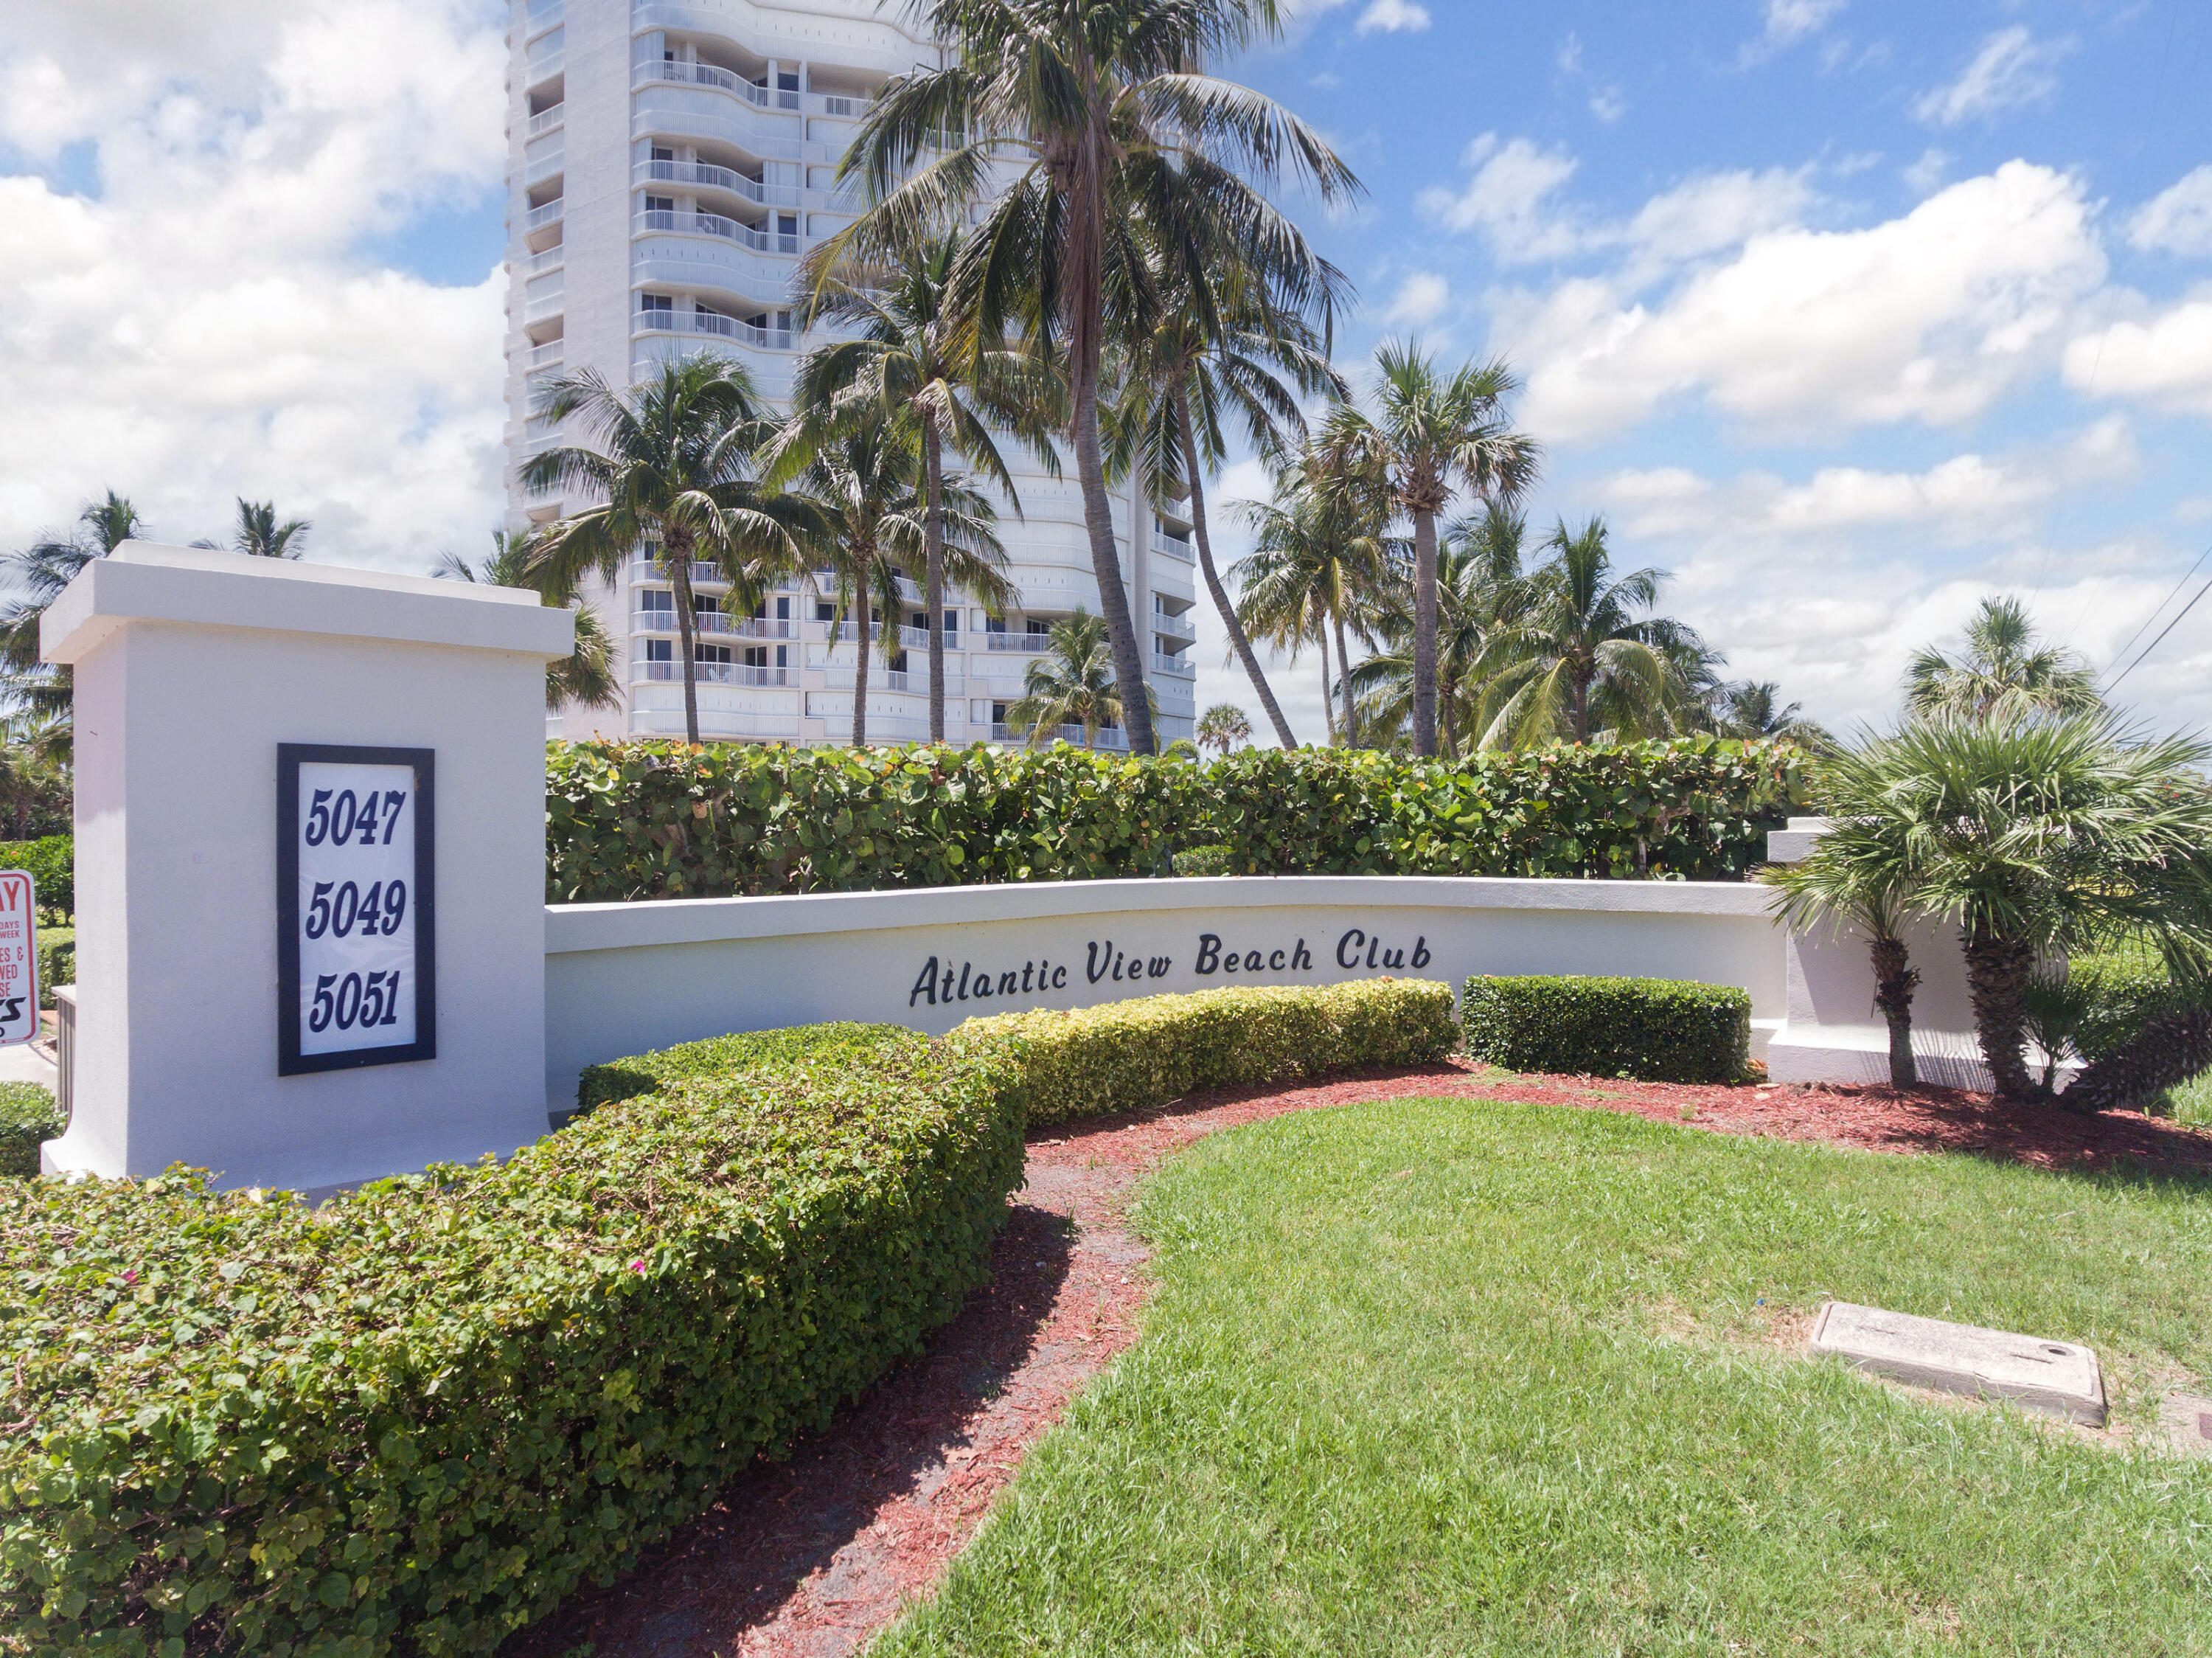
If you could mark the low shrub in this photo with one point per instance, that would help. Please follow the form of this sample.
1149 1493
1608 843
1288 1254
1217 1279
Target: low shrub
1656 1030
27 1116
419 1414
51 861
1205 861
56 961
1127 1055
2119 992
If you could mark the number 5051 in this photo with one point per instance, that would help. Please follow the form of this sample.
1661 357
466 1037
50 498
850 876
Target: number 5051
353 1002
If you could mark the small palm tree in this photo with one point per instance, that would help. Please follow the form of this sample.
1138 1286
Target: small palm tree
1069 126
590 675
1223 727
39 572
1431 436
1584 660
1073 683
1859 881
2002 674
1750 709
677 475
259 535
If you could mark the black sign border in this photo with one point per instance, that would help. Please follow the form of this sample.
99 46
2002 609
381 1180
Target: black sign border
290 1062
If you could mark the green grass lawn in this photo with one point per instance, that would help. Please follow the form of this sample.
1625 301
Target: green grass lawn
1448 1377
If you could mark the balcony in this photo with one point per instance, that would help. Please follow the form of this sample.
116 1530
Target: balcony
552 305
716 722
1181 666
714 622
545 120
714 224
1020 644
1175 546
550 355
700 175
666 111
1183 626
646 569
716 326
910 639
711 674
539 217
541 16
545 167
551 260
1110 736
706 74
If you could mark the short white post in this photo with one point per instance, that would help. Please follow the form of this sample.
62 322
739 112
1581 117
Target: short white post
201 678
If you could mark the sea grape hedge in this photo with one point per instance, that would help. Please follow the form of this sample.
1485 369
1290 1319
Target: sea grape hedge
28 1117
437 1404
647 820
1130 1054
51 861
1656 1030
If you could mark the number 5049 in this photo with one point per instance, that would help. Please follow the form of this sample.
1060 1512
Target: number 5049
353 1002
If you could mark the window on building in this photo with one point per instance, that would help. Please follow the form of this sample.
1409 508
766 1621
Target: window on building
755 656
1038 627
919 621
824 611
658 600
660 303
663 153
994 625
661 204
951 624
715 654
783 610
659 651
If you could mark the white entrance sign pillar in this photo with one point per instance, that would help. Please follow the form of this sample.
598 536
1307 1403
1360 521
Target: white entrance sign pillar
256 994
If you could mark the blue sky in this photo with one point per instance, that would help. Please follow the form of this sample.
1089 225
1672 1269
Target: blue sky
1846 313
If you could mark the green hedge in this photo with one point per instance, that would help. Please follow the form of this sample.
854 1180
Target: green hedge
1127 1055
51 861
27 1116
644 820
56 961
1656 1030
439 1404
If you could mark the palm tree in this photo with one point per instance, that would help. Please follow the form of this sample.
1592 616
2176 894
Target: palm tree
260 536
41 571
1220 349
1858 879
1073 683
2003 672
865 471
1584 660
1430 437
1070 126
677 475
2037 835
914 357
1223 727
1750 709
589 676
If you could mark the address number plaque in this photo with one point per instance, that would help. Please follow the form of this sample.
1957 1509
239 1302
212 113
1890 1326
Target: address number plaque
356 981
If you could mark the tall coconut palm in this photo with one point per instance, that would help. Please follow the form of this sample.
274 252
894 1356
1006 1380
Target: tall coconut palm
865 471
1751 709
1068 126
914 358
2003 672
259 535
1073 683
590 675
1586 658
1429 436
39 572
677 477
1219 352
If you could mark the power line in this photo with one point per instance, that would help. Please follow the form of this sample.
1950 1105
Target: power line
2160 605
2160 640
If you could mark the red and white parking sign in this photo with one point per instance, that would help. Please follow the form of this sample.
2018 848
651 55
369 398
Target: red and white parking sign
19 959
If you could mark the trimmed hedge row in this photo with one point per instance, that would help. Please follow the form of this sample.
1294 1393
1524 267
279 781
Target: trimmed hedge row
1654 1030
1130 1054
51 861
27 1117
439 1404
56 961
644 820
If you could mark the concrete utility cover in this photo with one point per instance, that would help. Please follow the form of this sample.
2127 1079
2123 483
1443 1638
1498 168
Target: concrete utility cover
2188 1422
2055 1377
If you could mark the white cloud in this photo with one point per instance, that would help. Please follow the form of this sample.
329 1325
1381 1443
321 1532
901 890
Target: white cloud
2178 219
1925 176
1508 198
208 327
2165 360
1966 498
1393 17
1607 105
2011 70
1419 301
1788 22
1930 317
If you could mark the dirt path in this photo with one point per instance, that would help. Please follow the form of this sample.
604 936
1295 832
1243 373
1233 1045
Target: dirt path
809 1558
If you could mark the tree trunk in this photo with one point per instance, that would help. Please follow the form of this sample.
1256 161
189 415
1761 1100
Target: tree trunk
1578 713
933 593
1351 725
2168 1049
1106 566
1328 704
1895 980
679 577
860 633
1997 971
1220 594
1424 633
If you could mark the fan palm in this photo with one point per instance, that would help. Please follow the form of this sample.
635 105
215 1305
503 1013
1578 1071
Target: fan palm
914 358
678 475
1584 660
1070 125
1223 727
589 676
1429 437
1073 683
2003 672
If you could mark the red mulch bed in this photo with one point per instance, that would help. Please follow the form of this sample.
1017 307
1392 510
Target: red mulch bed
808 1558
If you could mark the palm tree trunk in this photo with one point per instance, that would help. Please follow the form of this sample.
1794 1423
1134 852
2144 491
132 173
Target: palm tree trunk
932 541
1237 637
679 577
860 672
1424 633
1895 980
1997 971
1351 726
1106 566
1327 703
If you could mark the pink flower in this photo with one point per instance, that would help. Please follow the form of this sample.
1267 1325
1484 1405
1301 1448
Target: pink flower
637 1266
131 1276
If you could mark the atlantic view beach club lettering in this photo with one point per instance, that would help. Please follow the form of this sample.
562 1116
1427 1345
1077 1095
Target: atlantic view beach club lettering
943 981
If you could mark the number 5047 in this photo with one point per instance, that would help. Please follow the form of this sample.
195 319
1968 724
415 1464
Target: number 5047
353 1002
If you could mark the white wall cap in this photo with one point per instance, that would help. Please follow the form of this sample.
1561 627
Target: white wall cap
578 927
142 581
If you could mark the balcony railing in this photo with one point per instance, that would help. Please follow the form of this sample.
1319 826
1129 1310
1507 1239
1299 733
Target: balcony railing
720 328
702 175
551 260
911 638
706 74
545 120
541 16
1184 627
545 167
551 306
1174 546
714 622
1181 666
541 69
539 217
546 355
1022 644
714 224
713 674
646 569
1110 736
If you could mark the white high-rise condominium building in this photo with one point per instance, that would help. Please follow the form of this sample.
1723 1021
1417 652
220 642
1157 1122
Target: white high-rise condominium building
668 162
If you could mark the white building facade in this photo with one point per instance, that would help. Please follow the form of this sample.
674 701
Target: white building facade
670 161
